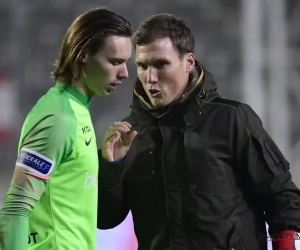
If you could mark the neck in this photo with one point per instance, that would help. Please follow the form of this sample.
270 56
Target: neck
81 87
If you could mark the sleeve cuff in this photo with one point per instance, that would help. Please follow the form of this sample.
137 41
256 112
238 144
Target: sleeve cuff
286 240
117 161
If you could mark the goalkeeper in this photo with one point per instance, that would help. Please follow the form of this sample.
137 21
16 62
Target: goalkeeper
52 199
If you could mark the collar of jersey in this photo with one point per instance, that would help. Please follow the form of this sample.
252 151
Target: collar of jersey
76 93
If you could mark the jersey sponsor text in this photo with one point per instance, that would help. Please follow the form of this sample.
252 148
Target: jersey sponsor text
91 180
32 238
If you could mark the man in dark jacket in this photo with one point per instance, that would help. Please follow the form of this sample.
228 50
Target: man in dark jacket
198 172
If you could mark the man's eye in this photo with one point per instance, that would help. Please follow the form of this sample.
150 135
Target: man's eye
142 66
160 65
116 63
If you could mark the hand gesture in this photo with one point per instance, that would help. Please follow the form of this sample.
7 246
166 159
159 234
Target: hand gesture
117 141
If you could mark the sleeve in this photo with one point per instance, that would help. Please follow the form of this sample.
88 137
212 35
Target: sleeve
265 173
45 144
112 202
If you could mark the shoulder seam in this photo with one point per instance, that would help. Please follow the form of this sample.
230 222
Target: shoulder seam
224 104
238 113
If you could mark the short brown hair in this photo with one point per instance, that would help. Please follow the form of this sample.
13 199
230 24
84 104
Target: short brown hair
165 25
87 34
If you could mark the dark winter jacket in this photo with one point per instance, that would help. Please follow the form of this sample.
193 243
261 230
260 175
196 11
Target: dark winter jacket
202 174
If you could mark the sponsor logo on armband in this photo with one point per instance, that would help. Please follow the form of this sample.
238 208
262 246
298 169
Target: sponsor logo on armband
35 162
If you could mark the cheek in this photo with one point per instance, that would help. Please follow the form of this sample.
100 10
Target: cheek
142 75
97 69
172 88
169 82
176 81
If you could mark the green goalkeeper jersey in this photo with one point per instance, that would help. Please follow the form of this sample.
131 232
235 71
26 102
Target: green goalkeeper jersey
55 178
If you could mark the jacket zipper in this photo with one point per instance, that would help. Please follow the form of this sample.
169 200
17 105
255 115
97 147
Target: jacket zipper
239 236
164 176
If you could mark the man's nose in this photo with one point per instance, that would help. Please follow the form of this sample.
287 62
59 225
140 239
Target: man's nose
123 72
152 76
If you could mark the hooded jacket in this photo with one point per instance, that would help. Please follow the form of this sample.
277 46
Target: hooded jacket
202 173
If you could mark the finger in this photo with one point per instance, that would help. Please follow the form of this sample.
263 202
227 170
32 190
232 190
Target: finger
112 138
121 125
121 129
127 124
116 137
109 135
130 138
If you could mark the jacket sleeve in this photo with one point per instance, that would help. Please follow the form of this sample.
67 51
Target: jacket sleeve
112 203
265 172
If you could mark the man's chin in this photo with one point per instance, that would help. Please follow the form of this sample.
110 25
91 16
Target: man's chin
158 104
104 92
107 92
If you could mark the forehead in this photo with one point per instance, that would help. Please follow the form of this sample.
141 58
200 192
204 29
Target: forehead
116 46
161 48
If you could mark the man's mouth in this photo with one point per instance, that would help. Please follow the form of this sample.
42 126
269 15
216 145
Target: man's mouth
154 92
114 85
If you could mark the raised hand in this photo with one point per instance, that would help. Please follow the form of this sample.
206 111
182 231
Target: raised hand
117 141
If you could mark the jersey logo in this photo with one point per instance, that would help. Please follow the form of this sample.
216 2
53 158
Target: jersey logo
88 142
85 129
35 162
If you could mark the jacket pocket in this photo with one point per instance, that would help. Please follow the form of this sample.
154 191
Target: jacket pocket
275 152
235 240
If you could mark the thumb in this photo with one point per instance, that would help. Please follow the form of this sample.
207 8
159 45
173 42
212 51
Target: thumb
130 138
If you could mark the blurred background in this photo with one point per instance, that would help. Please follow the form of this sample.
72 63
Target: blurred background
252 47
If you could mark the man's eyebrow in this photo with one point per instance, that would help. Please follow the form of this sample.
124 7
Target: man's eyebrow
119 59
153 61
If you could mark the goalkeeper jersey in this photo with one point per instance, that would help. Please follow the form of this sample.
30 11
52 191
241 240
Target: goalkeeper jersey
57 170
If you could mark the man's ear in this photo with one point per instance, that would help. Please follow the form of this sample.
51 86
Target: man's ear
190 62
